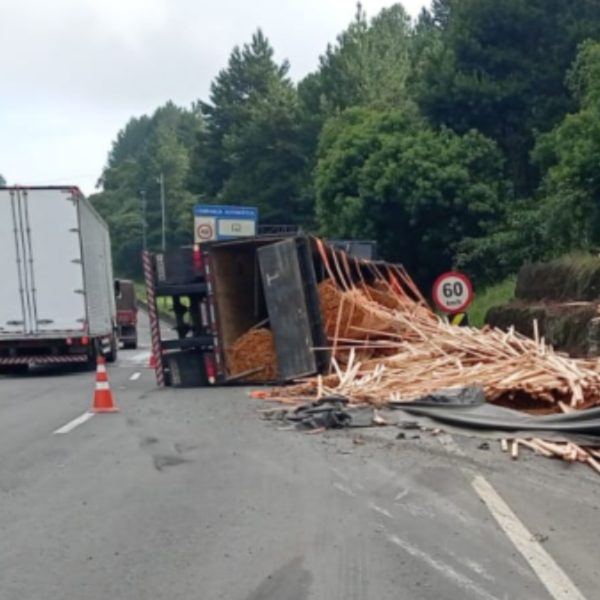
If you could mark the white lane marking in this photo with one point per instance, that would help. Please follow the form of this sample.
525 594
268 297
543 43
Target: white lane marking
337 472
139 358
344 489
86 416
400 495
135 376
380 510
445 569
555 580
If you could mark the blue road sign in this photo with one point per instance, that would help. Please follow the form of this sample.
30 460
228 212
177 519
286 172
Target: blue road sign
222 222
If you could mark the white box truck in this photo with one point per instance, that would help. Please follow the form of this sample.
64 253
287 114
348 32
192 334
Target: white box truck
57 302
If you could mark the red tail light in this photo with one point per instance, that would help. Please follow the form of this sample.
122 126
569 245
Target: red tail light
197 259
85 341
211 371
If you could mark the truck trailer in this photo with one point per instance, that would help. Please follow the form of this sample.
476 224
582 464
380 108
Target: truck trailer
57 301
222 290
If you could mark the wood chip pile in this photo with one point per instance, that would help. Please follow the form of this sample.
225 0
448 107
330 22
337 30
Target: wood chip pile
253 354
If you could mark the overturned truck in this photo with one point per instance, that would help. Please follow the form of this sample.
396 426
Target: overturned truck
249 310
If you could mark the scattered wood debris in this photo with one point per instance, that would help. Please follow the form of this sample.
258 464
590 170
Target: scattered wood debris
567 451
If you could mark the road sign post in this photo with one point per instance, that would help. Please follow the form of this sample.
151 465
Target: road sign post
453 293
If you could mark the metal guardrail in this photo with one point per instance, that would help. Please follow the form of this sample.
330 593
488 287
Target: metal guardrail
279 229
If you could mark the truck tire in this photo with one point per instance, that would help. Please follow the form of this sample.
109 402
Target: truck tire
91 363
14 370
111 356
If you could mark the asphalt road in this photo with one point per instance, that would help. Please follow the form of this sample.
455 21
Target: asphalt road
190 495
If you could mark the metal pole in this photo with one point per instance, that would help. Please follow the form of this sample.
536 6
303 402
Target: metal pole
163 212
144 222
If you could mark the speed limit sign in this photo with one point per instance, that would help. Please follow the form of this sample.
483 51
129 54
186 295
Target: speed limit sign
452 292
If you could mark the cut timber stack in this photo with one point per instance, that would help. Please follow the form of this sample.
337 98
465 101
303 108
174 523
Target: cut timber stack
388 349
253 356
398 355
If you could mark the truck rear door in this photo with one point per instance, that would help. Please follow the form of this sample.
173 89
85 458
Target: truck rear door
51 219
290 290
13 313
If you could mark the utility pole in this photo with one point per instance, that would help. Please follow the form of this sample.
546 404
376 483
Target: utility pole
161 180
144 222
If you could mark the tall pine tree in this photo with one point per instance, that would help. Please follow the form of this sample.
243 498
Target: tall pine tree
251 152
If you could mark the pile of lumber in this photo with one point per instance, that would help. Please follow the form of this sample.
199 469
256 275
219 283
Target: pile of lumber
388 348
252 357
383 355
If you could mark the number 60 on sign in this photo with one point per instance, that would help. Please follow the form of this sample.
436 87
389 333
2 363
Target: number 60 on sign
452 292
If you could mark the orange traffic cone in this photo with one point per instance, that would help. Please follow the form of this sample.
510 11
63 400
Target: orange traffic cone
103 398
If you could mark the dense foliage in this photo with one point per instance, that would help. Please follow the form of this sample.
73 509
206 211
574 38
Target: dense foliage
469 137
388 176
145 149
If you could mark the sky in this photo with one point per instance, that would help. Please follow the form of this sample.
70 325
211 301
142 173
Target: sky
75 71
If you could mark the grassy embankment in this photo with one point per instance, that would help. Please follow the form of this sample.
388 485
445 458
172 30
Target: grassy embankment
500 293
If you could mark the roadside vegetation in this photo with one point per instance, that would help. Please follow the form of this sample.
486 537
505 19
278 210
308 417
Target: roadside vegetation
467 138
164 305
494 295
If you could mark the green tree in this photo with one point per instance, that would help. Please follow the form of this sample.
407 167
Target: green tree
2 181
251 151
501 70
568 157
146 148
369 64
518 237
419 192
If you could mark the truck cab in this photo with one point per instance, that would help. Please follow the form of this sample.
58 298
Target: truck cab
127 312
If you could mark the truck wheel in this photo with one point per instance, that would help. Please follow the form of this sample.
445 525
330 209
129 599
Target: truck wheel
111 357
14 370
92 358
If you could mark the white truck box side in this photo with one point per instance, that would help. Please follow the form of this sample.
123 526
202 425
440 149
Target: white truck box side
41 271
12 313
97 269
56 273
